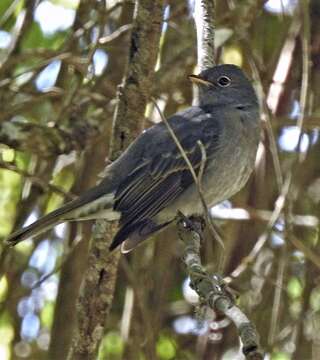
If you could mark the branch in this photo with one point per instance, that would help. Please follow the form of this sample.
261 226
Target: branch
99 279
37 180
115 35
278 208
19 31
204 19
212 290
252 214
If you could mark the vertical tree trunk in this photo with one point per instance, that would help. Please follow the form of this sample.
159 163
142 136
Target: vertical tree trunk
74 267
99 280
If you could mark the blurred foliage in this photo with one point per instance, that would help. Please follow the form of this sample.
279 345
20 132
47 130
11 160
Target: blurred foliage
166 348
10 182
55 116
112 346
35 38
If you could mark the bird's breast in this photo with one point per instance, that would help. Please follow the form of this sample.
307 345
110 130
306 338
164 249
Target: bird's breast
226 175
227 171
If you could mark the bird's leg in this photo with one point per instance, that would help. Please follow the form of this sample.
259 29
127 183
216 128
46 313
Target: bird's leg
199 221
195 223
191 231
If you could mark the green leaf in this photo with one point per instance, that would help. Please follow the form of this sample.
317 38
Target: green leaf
10 189
70 4
166 348
280 356
3 287
6 329
64 179
232 55
112 346
46 315
8 19
22 160
294 288
8 155
35 38
4 5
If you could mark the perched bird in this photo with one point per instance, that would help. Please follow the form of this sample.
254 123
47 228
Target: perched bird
150 182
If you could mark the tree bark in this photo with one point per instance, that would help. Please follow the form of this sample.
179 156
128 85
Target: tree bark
204 18
99 280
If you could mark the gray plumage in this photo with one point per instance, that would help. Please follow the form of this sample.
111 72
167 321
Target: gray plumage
150 182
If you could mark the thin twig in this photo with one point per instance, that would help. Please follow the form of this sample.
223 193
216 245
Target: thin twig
308 253
306 63
276 308
251 214
8 12
36 180
279 205
203 163
177 142
45 277
272 141
115 35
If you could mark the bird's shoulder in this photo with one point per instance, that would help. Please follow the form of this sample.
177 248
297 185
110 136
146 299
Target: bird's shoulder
189 126
155 153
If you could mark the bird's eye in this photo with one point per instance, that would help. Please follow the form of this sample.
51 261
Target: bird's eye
224 81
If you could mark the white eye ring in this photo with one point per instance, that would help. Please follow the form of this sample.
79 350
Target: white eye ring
224 81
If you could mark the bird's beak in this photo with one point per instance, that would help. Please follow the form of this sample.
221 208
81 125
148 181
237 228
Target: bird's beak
196 79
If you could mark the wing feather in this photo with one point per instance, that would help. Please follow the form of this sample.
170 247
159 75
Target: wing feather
164 174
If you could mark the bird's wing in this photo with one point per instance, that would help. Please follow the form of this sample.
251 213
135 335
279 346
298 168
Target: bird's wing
163 173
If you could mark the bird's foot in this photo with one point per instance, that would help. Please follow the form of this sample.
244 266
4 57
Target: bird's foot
195 223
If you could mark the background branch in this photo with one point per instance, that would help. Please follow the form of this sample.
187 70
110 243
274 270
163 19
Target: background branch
204 15
99 280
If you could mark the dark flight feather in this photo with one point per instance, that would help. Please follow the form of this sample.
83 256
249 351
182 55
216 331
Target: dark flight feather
164 176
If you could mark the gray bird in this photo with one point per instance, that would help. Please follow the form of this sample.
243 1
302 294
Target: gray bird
150 182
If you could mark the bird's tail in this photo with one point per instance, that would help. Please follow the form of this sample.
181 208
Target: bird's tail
36 228
81 208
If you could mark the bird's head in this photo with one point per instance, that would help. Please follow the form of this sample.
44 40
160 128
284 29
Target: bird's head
224 85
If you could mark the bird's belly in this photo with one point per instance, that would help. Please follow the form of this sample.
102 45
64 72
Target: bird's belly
220 182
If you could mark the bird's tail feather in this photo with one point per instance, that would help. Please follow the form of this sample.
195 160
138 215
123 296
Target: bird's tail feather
56 217
34 229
